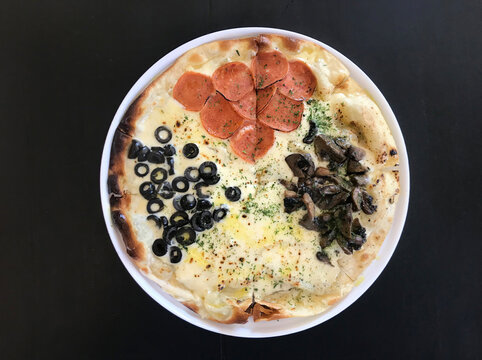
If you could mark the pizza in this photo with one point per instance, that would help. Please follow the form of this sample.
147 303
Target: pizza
254 178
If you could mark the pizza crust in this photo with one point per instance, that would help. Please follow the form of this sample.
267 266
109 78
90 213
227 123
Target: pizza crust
356 112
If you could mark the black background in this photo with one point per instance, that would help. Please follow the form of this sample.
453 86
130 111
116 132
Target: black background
65 66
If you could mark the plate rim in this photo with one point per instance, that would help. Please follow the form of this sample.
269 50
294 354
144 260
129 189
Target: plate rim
251 329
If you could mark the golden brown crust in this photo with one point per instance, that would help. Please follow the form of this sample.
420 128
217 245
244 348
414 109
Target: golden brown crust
238 313
134 248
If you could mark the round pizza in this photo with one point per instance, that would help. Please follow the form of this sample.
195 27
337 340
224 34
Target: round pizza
254 178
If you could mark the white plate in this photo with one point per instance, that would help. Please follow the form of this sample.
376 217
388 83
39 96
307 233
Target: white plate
284 326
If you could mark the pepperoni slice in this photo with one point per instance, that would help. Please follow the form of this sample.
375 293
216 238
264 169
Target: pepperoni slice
233 80
246 107
299 83
192 89
252 141
282 113
263 96
269 67
219 118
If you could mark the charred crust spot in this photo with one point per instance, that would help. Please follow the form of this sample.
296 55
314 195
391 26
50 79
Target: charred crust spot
133 247
393 152
127 124
382 158
113 185
120 142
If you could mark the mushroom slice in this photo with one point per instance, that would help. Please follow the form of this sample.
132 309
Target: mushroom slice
292 204
329 190
329 202
308 220
367 205
322 171
327 149
301 165
323 257
290 194
288 185
355 153
359 234
345 217
356 198
360 179
354 167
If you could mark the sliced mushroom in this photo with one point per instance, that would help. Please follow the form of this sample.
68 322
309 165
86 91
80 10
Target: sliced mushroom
288 185
323 257
345 217
345 246
301 165
359 236
367 205
329 189
327 149
292 204
308 220
355 153
327 238
322 171
356 198
290 194
329 202
354 167
360 179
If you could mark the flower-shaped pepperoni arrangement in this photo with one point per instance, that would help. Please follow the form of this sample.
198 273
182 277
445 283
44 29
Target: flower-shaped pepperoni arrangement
247 104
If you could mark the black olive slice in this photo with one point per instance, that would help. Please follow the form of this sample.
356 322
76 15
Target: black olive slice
206 220
220 214
141 169
175 254
198 187
192 174
212 179
147 190
169 233
176 202
180 184
155 157
195 222
164 221
207 170
190 150
163 134
233 193
185 236
154 206
169 150
158 175
170 162
165 190
156 220
143 152
188 202
134 149
159 247
204 204
179 218
310 137
159 149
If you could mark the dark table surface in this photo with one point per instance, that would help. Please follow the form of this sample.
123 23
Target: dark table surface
65 66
